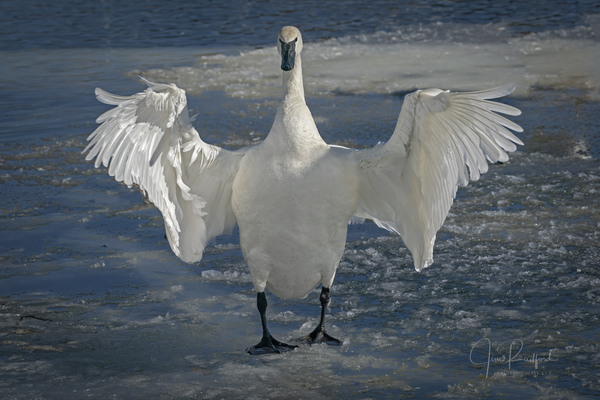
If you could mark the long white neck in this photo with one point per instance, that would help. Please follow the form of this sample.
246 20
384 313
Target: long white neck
293 84
294 131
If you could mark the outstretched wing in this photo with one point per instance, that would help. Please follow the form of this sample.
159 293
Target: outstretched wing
148 140
442 140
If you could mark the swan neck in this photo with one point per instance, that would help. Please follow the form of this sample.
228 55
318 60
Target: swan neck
292 82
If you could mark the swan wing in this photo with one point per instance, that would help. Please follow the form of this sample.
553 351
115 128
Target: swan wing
148 140
441 141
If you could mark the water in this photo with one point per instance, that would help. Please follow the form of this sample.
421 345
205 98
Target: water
93 304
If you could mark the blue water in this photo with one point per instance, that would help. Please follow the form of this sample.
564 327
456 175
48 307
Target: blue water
153 23
93 304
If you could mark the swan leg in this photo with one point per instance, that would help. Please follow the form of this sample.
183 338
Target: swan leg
319 335
267 344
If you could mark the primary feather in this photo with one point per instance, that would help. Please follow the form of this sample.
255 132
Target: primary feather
148 140
441 141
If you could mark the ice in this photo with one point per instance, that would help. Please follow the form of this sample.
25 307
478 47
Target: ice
372 64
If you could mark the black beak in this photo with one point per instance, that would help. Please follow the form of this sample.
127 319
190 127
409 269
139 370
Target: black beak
288 54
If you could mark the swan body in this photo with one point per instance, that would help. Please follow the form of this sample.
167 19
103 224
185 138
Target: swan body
293 195
290 251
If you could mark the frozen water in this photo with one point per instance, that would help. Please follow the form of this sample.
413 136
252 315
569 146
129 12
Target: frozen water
370 64
93 304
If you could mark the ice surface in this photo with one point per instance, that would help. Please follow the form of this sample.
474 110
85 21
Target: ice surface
393 63
103 315
95 305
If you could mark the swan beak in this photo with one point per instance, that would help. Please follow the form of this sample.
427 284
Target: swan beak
288 55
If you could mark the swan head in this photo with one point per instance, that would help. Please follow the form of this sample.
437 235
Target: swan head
289 46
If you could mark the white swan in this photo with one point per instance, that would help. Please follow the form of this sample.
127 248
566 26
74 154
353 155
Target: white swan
293 195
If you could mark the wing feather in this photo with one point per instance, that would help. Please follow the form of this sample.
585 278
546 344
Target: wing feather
148 140
441 141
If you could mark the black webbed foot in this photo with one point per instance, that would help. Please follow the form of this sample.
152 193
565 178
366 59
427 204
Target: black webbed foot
319 336
269 345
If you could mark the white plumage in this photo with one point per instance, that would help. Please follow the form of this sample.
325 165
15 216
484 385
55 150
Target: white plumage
293 195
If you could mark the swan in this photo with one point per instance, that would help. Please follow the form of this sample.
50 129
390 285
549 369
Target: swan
293 195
